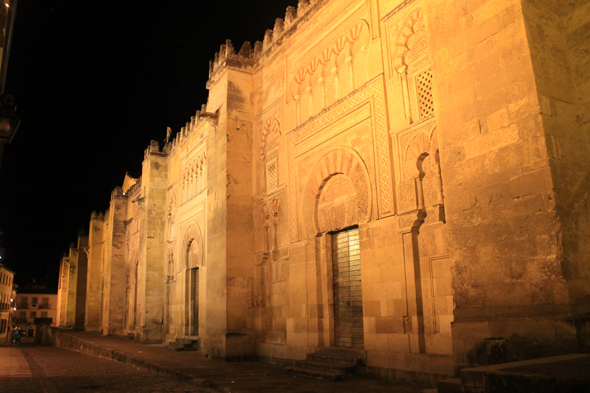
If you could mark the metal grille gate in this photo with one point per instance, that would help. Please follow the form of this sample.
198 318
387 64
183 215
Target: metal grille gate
348 301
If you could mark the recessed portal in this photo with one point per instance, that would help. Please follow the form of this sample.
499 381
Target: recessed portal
348 301
192 306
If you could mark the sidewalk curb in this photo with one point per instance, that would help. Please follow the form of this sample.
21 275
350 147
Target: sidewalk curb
63 340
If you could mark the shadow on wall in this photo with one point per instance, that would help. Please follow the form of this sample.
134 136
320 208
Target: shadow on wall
515 348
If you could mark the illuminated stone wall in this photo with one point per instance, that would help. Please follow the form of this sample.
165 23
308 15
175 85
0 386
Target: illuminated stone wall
452 133
73 276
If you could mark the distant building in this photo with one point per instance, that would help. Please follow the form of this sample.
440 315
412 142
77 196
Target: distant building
34 303
6 301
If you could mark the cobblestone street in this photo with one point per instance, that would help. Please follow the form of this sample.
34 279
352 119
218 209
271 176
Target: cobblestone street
57 370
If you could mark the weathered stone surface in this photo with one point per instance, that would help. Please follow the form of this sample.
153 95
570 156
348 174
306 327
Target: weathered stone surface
453 134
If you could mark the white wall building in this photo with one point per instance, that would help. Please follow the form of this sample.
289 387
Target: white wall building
35 304
6 301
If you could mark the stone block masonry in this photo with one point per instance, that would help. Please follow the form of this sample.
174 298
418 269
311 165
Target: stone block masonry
450 134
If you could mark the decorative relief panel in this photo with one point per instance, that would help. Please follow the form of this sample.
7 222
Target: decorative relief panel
194 177
192 247
409 54
422 172
324 208
374 4
410 43
334 71
271 177
270 133
371 93
424 93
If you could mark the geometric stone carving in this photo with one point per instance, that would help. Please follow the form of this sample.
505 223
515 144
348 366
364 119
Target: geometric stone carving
424 92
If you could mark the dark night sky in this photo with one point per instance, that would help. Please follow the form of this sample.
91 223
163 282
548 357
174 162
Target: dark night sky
94 83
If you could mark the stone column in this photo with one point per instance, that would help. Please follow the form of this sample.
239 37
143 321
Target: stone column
93 286
152 248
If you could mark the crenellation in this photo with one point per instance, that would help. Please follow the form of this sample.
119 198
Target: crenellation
278 28
290 16
117 192
303 6
273 38
246 50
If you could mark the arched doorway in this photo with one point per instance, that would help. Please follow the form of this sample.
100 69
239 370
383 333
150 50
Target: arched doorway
193 257
337 202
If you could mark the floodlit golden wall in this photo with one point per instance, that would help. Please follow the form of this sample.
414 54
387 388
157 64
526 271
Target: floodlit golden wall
451 133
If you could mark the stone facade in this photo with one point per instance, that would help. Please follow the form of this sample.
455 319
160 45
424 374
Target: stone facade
7 303
453 134
71 290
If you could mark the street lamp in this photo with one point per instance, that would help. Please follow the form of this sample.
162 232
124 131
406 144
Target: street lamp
9 121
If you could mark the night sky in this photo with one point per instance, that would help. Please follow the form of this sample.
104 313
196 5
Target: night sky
94 83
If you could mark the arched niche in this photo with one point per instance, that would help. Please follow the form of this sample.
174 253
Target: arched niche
192 247
337 193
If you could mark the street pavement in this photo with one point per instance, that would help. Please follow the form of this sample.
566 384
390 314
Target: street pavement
242 377
29 369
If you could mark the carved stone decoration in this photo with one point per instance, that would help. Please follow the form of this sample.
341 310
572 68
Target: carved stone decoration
410 46
172 203
193 177
270 215
337 193
410 43
271 127
374 93
170 276
192 247
421 149
418 146
350 37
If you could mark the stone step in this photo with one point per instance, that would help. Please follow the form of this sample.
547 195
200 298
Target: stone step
335 358
452 385
318 374
359 353
325 366
332 364
183 344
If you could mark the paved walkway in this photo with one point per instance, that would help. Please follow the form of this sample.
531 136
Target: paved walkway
225 377
29 369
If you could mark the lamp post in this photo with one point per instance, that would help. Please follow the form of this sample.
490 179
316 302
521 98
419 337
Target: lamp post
9 121
10 324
